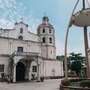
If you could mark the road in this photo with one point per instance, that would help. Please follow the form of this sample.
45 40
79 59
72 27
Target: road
46 85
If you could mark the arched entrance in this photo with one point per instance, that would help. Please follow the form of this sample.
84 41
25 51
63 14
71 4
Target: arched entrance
20 71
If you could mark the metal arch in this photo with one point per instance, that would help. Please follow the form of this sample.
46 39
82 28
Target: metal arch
66 40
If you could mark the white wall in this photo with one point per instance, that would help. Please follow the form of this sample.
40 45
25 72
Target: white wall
49 52
50 66
33 63
8 46
4 60
15 33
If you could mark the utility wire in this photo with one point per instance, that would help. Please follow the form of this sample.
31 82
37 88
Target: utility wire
75 7
73 12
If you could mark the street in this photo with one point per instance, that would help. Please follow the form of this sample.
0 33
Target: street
46 85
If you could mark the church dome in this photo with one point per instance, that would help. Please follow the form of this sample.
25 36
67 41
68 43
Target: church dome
45 23
45 18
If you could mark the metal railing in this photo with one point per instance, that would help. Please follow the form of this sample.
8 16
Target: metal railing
26 53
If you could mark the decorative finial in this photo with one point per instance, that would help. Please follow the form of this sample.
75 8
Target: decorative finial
45 17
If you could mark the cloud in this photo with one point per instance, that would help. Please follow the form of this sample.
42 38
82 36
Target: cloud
14 11
59 47
5 9
4 23
33 23
8 7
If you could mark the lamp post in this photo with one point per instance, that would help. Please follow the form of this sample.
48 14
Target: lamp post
86 43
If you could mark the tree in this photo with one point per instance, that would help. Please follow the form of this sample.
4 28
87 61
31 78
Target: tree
61 58
75 62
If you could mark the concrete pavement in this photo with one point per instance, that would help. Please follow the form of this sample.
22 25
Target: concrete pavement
46 85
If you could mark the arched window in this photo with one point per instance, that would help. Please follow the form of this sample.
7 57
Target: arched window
34 68
20 37
50 40
50 31
21 30
2 67
43 30
19 49
43 40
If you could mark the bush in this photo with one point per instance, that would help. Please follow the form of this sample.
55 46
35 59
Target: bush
85 83
76 80
65 82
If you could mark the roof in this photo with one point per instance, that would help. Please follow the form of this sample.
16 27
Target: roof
21 22
46 25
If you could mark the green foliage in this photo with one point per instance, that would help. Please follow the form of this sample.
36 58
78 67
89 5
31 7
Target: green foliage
61 58
85 83
75 62
74 56
75 80
76 66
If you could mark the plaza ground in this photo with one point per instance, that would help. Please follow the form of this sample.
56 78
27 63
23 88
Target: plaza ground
46 85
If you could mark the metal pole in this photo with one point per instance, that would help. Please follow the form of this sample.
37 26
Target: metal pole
65 62
66 40
83 5
86 43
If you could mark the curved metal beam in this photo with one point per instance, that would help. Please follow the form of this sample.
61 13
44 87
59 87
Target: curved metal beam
66 41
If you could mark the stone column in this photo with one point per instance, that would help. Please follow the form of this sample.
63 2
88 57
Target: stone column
14 73
29 74
27 71
38 76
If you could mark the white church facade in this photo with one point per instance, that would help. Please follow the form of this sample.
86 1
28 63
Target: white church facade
26 56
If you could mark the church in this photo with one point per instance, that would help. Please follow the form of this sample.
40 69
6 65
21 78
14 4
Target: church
28 56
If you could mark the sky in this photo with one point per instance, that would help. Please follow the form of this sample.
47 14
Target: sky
58 11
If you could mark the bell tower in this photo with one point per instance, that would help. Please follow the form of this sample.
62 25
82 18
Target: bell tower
46 33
